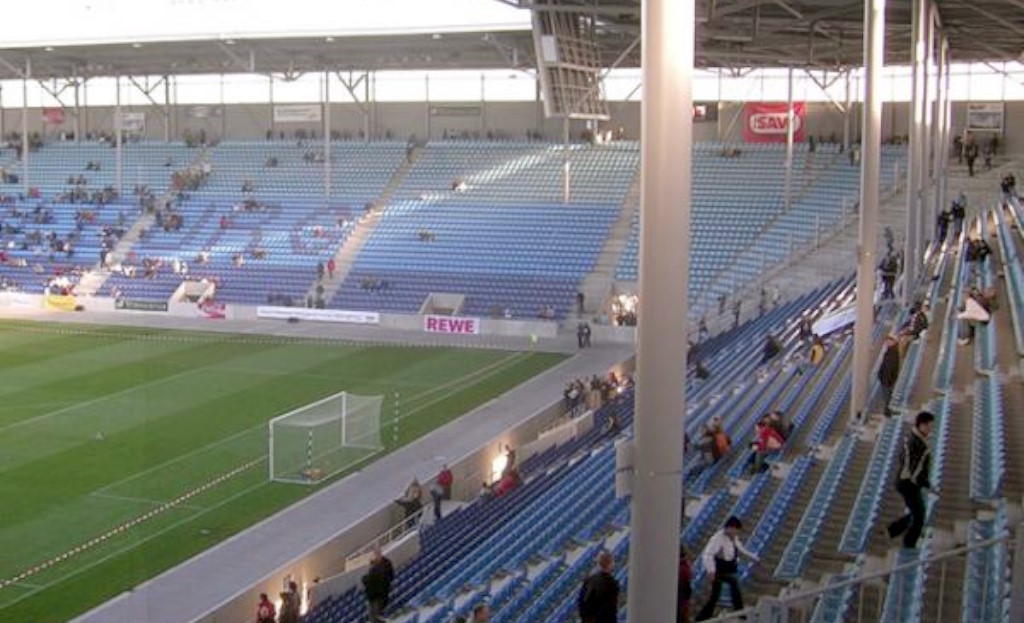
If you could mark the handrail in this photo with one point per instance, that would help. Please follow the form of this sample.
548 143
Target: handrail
793 598
405 526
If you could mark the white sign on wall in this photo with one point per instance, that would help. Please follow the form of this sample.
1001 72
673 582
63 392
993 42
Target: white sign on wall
133 122
297 113
985 116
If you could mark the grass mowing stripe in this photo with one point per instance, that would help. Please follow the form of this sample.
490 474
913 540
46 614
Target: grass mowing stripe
138 500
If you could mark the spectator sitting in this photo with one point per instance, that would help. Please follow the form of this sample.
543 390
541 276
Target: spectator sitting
459 186
978 250
976 309
411 502
772 348
508 482
271 162
247 186
611 426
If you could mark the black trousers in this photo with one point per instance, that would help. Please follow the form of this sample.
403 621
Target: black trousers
716 591
911 524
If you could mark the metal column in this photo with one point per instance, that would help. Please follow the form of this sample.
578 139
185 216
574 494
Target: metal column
77 127
3 130
168 109
117 137
871 159
566 163
940 143
847 111
948 123
327 134
915 153
927 146
24 126
789 140
667 141
270 101
223 112
426 83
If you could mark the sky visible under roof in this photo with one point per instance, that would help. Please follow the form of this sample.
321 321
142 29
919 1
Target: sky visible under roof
82 22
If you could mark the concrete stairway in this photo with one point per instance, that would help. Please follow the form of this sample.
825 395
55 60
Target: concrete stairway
93 279
346 255
597 285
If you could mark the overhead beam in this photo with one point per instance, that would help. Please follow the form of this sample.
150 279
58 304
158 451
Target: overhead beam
1002 21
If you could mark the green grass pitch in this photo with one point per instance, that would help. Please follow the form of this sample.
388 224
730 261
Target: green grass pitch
102 427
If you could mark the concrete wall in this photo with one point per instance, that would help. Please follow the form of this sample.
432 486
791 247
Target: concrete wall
513 119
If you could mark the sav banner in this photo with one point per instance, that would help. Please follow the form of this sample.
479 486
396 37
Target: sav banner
457 325
60 302
54 116
319 315
297 113
765 122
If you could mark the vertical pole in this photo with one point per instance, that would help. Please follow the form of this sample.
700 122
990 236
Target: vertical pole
948 115
667 141
327 134
366 103
483 105
373 109
849 111
928 90
270 101
939 142
117 136
270 460
871 156
77 127
175 120
789 139
223 112
566 163
24 126
915 153
85 106
167 109
344 416
426 81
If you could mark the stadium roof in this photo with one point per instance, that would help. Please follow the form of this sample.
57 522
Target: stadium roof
731 33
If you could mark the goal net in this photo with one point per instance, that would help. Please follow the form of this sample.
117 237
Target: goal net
321 439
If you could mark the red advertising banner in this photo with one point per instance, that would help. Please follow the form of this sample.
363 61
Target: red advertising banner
451 324
54 116
765 122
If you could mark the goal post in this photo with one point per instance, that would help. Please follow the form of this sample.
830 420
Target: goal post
318 440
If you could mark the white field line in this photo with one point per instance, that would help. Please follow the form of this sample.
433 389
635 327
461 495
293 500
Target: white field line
484 372
138 500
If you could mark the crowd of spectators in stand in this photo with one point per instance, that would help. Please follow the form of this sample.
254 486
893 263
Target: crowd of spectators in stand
374 284
589 394
546 312
191 177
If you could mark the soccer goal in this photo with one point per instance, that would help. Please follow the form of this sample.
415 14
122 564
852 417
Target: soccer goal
321 439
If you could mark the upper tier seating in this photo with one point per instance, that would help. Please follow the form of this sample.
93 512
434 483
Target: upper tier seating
289 223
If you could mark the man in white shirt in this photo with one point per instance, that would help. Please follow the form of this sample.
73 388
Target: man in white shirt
719 559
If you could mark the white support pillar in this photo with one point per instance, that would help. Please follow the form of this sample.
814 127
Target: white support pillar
871 159
426 83
223 112
940 143
927 139
915 153
789 139
3 129
566 162
848 110
667 141
948 115
24 126
77 121
118 140
327 135
369 108
168 109
270 102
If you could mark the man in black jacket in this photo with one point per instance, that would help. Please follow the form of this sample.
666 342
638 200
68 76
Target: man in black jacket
889 370
915 464
599 598
377 585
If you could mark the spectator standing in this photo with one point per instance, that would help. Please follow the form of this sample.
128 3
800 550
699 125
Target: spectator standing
290 605
737 306
320 271
772 348
587 331
971 154
445 479
889 370
331 265
959 212
377 586
817 354
598 600
265 610
411 502
719 558
915 465
580 331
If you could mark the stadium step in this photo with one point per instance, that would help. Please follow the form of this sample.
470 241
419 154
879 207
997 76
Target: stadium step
349 250
597 285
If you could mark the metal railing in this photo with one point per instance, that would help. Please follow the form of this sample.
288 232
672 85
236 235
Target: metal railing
405 526
799 607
